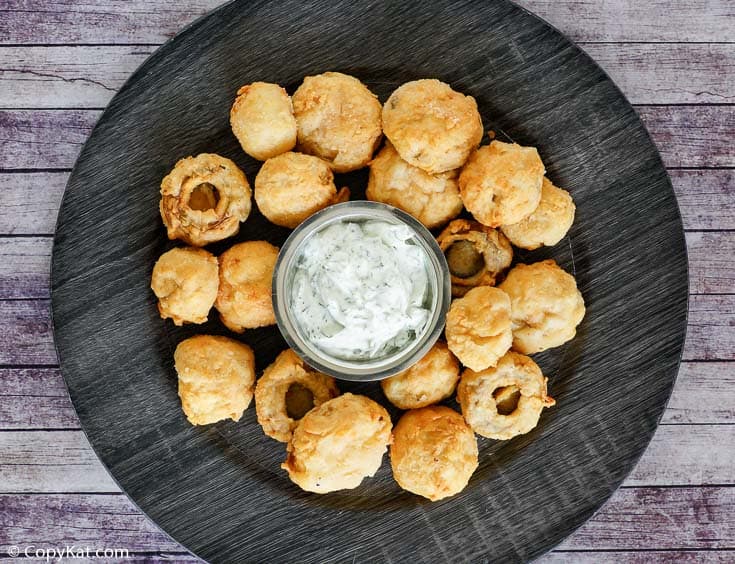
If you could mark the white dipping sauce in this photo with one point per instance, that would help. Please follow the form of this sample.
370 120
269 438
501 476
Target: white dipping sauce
360 289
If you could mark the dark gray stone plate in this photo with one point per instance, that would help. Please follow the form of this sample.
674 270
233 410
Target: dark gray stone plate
218 489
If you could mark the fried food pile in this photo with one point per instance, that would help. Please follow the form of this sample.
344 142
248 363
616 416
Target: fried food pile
423 148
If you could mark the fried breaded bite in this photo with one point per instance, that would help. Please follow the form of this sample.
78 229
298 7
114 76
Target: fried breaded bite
291 187
337 444
478 327
204 199
433 199
501 183
546 306
429 381
434 452
216 378
547 224
338 120
477 255
262 120
185 281
432 126
287 391
244 296
506 400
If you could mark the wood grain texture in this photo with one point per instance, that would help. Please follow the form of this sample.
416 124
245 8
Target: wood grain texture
31 200
645 556
687 136
704 393
711 328
138 21
35 398
633 518
26 330
711 264
88 76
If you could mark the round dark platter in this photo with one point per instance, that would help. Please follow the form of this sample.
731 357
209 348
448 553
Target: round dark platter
218 489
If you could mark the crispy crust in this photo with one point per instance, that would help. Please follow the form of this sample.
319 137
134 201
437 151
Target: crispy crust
262 120
270 393
200 227
185 281
501 183
244 296
337 444
546 306
547 224
433 199
216 378
434 452
291 187
338 120
495 249
432 126
478 327
480 406
429 381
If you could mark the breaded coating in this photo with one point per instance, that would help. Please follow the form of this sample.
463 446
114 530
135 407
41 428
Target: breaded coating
337 444
501 183
477 255
546 306
432 126
216 378
204 199
478 327
291 187
185 281
434 452
547 224
433 199
262 120
338 120
289 375
429 381
245 274
480 395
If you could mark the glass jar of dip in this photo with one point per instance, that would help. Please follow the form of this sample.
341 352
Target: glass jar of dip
361 290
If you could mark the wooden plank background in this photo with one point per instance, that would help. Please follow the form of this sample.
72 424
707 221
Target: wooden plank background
61 61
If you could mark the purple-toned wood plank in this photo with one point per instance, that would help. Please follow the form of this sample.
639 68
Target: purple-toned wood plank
651 518
711 262
133 558
704 393
711 328
141 21
706 198
25 264
25 327
30 202
69 76
639 557
35 398
689 136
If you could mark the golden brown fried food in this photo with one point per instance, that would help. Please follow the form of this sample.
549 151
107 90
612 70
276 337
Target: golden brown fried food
547 224
337 444
546 306
434 452
432 126
338 120
287 391
478 327
433 199
501 183
216 378
429 381
204 199
185 281
476 254
244 296
487 397
291 187
262 120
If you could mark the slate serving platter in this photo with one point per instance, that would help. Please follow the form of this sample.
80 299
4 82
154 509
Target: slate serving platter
218 489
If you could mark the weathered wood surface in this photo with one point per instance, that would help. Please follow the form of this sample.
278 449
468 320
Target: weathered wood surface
88 76
647 518
638 557
31 200
139 21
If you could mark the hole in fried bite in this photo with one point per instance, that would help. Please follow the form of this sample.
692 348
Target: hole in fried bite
464 259
299 401
506 399
203 197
